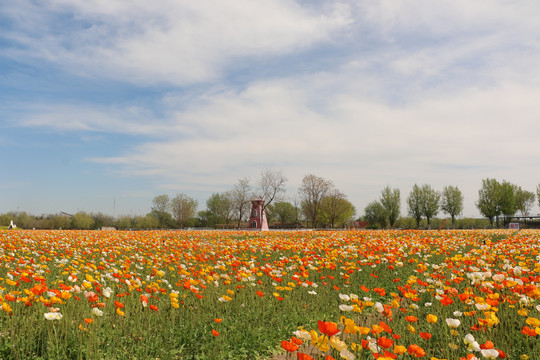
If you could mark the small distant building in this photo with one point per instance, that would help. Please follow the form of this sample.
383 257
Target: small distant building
257 218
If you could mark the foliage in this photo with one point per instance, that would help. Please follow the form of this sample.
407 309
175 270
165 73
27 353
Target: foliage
183 208
375 214
488 199
452 201
391 202
221 207
507 198
430 202
82 221
160 210
336 209
524 200
414 202
285 212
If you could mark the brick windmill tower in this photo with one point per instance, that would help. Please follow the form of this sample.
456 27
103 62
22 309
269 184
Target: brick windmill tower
257 218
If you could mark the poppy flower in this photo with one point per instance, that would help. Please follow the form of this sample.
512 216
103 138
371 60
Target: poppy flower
215 333
289 346
385 342
416 351
327 327
411 318
118 304
425 335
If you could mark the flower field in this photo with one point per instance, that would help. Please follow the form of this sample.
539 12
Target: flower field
271 295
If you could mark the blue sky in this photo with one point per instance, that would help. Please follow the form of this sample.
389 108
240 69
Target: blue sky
106 101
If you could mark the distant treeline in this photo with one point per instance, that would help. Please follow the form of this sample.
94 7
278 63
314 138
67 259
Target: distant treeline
94 221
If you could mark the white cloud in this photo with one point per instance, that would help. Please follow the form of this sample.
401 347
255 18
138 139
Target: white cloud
171 41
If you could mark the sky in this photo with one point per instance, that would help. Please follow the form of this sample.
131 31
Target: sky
105 104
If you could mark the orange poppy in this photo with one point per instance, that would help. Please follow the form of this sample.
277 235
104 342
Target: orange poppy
385 342
411 318
416 351
328 328
289 346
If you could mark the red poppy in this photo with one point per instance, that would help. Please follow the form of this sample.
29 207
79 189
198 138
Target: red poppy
425 335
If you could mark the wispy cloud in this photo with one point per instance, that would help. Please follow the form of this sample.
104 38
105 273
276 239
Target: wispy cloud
178 42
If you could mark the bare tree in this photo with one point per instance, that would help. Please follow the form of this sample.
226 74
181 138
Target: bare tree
241 198
183 207
312 192
271 185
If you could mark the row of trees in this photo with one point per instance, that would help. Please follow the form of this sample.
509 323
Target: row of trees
318 203
495 199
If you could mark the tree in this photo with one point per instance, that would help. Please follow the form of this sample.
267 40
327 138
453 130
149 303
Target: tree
488 199
538 194
183 207
430 202
391 202
241 198
148 221
524 200
101 220
82 220
220 206
452 201
507 198
336 208
312 191
271 186
375 214
414 201
285 212
160 209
